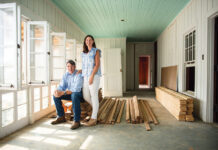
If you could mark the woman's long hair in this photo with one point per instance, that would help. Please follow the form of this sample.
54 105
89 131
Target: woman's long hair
85 47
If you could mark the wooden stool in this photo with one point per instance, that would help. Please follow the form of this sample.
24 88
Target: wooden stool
67 105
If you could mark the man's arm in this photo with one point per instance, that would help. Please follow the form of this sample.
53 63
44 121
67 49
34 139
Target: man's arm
61 88
77 86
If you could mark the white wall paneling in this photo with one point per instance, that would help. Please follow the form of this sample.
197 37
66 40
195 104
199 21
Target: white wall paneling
171 51
45 10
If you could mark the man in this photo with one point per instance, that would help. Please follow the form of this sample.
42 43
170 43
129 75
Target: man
69 89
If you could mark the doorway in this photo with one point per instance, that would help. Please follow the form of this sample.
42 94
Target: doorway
215 111
144 72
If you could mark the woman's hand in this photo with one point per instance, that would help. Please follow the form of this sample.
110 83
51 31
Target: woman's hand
79 71
91 79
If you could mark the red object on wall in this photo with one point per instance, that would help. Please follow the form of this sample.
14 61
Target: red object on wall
143 70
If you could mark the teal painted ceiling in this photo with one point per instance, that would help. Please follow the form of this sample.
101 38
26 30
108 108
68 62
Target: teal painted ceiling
144 20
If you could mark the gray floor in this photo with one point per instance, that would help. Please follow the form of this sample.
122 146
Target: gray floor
170 134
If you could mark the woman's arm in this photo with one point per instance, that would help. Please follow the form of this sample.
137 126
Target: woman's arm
97 64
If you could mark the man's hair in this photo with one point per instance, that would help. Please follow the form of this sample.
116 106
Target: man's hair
71 62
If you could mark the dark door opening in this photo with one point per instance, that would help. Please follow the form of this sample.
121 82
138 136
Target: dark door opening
144 72
190 79
155 63
215 116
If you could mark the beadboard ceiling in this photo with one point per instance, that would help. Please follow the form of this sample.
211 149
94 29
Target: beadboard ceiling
144 20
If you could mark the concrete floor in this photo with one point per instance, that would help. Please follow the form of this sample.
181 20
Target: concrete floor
170 134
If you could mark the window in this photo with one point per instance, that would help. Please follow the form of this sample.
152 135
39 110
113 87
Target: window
79 49
70 49
190 42
7 109
24 50
38 52
58 55
8 46
21 104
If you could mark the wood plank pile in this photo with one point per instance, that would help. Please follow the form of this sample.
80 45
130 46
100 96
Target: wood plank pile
139 111
179 105
110 110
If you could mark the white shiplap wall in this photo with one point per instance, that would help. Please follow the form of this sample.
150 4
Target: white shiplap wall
171 50
45 10
103 43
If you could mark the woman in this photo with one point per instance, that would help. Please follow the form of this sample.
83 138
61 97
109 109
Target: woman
91 72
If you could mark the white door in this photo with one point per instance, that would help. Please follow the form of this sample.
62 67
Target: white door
112 72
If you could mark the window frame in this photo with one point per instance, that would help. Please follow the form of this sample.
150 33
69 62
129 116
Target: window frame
17 43
46 52
73 49
52 54
189 63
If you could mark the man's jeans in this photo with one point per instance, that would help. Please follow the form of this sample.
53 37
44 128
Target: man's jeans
76 97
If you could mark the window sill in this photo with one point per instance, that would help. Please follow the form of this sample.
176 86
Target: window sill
189 93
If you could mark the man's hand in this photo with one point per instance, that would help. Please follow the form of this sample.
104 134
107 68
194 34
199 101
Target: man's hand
58 93
68 92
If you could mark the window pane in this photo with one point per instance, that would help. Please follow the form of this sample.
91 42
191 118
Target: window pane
24 52
7 100
190 39
193 52
22 111
36 31
8 75
7 21
38 74
45 102
69 50
186 55
186 41
37 45
7 117
44 91
37 106
58 40
8 46
59 62
36 93
190 54
58 50
194 37
8 60
37 60
21 97
58 73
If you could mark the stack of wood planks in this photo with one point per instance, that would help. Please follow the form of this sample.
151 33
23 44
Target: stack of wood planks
179 105
139 111
110 110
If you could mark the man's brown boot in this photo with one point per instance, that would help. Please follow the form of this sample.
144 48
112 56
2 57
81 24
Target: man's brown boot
91 122
59 120
75 125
